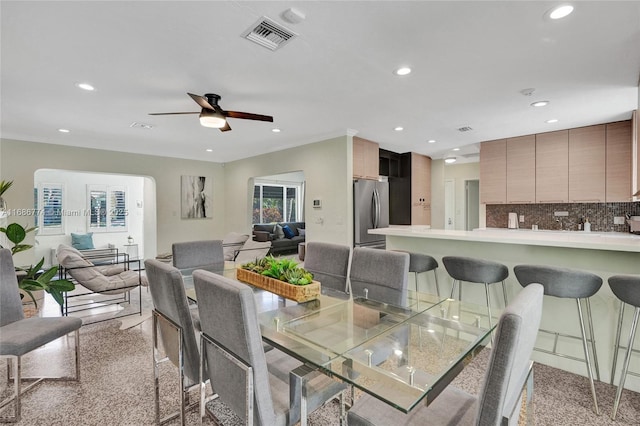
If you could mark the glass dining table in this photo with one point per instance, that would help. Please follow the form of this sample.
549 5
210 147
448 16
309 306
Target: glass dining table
403 356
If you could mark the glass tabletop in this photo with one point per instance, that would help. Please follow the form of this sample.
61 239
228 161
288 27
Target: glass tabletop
400 355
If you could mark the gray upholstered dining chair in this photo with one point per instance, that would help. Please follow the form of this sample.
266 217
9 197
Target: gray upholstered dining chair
329 264
380 275
509 369
247 380
205 254
20 335
173 319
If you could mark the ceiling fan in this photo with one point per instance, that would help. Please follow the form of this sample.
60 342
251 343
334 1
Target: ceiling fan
214 116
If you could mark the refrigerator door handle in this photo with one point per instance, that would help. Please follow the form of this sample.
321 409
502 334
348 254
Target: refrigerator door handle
376 212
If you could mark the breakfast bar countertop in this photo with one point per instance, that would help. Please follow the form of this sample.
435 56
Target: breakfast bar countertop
612 241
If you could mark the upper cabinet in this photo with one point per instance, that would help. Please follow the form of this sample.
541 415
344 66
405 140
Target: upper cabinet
521 170
365 159
587 164
493 172
593 164
552 172
618 168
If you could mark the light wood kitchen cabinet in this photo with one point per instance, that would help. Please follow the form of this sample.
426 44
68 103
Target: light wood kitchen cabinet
618 162
521 170
365 159
587 164
552 167
493 172
420 189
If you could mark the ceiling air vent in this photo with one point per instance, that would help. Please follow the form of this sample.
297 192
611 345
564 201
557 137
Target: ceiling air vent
269 34
465 129
137 125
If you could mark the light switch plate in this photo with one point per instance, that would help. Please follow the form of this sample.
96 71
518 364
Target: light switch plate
618 220
521 218
561 214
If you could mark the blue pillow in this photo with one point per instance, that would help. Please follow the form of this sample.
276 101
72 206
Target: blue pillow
82 241
288 233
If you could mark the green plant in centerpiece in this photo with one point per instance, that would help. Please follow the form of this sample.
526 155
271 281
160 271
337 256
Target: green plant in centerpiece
283 269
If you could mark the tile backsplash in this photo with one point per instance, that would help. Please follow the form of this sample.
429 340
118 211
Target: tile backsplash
600 215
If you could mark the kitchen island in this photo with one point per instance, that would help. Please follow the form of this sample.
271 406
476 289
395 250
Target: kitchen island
604 254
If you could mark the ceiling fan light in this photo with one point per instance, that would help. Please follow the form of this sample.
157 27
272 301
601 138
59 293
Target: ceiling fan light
212 119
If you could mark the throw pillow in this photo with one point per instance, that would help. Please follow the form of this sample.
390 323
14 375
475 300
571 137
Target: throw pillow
301 232
288 232
279 231
82 241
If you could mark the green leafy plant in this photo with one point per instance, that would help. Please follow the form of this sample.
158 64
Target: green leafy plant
35 279
16 233
283 269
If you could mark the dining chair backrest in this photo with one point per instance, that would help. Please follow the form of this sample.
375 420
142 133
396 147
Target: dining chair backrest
329 264
10 304
229 316
380 275
169 298
207 254
513 344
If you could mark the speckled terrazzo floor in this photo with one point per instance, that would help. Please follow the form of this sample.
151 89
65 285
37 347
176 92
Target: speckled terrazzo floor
116 386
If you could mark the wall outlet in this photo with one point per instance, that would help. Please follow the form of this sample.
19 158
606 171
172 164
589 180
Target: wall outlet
561 214
618 220
521 218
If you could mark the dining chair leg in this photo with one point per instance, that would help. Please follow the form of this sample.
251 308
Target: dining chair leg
625 366
617 344
585 346
486 292
504 293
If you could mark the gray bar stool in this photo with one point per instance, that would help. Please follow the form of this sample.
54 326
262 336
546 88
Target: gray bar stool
479 271
419 263
567 284
627 289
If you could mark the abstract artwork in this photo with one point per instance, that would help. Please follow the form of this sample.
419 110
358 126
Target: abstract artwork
196 197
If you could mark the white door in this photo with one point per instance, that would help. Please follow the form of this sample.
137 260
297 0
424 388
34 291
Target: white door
449 204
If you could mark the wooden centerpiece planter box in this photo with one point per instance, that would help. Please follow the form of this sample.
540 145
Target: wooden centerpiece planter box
299 293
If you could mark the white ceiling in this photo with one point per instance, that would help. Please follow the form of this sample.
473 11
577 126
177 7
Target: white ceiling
470 61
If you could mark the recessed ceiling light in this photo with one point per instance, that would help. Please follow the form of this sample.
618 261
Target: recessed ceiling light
552 120
455 149
402 71
276 130
86 86
398 129
561 11
209 150
540 104
450 160
64 130
431 141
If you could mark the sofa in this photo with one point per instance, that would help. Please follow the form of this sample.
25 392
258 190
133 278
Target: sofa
281 243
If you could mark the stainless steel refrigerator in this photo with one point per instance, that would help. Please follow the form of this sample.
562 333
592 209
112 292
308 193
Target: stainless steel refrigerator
371 210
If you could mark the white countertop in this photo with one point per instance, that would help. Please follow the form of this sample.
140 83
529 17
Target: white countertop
614 241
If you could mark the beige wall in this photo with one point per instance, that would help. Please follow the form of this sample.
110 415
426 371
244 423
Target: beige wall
19 160
459 173
327 167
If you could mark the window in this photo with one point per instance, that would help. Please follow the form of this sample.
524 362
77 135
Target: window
107 208
49 209
277 202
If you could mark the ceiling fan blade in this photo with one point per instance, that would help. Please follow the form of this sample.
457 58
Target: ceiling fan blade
248 116
201 100
225 128
171 113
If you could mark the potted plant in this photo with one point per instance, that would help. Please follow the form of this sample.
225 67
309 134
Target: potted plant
32 278
280 276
